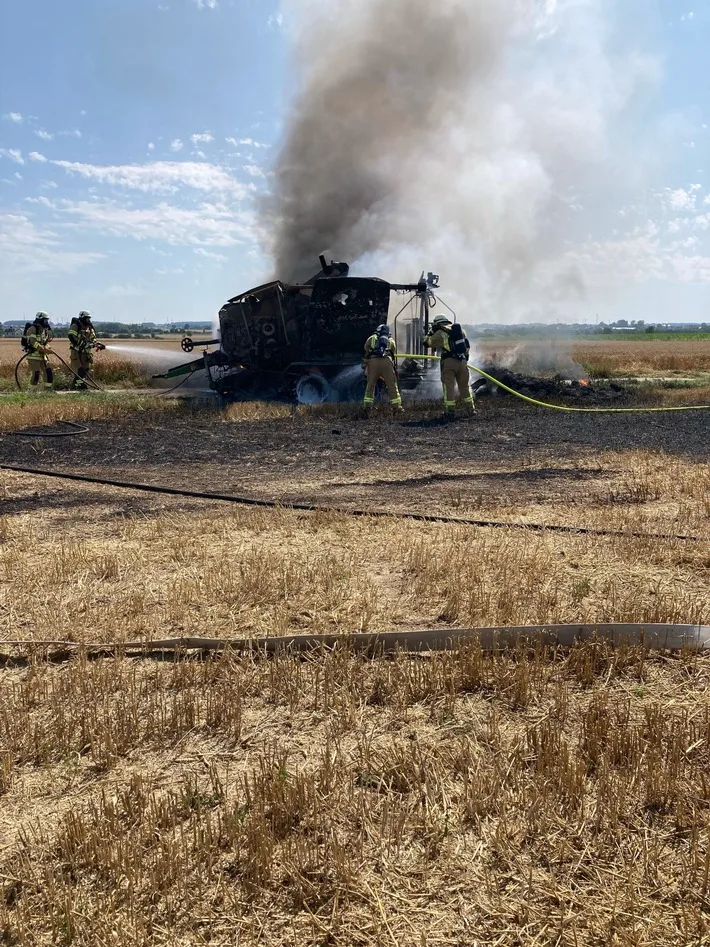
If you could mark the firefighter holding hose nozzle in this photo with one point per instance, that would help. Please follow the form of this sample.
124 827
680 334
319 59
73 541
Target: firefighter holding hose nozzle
35 341
82 344
454 347
380 362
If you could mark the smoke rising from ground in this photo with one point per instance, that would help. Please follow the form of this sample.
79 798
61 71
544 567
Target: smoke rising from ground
484 140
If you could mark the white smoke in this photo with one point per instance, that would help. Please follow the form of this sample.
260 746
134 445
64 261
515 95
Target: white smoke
480 139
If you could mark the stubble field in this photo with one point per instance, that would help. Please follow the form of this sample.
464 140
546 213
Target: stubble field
539 796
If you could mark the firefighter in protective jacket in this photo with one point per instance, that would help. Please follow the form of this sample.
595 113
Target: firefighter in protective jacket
454 347
82 343
380 362
36 340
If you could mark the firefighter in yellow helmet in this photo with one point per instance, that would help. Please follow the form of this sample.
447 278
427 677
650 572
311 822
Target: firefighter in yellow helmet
36 342
380 362
453 345
82 343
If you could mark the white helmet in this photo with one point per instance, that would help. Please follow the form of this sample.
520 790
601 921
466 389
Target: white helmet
441 321
42 315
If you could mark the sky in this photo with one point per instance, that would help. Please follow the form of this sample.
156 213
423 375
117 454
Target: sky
136 137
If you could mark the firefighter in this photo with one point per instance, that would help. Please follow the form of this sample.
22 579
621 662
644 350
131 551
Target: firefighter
37 338
453 345
380 362
82 343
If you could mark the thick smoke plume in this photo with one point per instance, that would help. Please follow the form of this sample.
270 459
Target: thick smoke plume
470 137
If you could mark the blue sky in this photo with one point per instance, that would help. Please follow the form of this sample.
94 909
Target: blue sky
135 135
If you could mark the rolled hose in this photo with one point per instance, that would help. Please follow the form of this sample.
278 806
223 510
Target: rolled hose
74 430
561 407
661 637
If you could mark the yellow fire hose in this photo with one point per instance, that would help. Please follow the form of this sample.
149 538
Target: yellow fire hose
560 407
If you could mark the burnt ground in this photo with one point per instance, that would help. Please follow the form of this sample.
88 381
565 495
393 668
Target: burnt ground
504 457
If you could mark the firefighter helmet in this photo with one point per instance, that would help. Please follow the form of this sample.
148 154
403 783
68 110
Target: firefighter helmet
383 330
84 316
441 321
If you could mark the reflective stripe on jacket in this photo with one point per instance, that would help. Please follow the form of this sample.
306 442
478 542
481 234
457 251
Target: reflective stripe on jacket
80 339
37 339
440 340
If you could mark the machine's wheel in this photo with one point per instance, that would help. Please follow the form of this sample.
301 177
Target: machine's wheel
314 389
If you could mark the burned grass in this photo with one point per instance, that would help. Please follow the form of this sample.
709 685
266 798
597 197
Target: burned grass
533 796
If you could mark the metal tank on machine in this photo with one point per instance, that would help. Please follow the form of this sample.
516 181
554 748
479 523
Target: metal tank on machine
304 342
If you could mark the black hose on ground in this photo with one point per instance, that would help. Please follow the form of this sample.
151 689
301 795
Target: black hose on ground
75 430
343 511
94 384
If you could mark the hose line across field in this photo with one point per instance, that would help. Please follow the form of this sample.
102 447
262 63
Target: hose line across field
660 637
561 407
94 384
345 511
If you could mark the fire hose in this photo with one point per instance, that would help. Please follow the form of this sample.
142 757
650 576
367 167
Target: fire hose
94 384
660 637
567 408
344 511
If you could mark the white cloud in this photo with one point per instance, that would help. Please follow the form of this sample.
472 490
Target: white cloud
642 256
49 185
250 142
160 177
19 176
206 4
15 117
45 136
207 225
27 249
151 146
254 170
176 145
122 290
12 154
682 199
36 156
275 21
202 139
209 255
687 17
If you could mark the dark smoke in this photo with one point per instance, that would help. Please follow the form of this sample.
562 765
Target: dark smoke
487 140
380 78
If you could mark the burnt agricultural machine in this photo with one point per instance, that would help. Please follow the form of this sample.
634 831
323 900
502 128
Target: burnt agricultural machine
305 342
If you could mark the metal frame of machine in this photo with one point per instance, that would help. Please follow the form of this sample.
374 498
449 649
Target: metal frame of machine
304 342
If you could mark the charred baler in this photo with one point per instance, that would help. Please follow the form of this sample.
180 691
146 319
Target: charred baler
304 342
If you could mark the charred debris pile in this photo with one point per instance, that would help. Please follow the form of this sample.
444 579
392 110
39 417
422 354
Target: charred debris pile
555 387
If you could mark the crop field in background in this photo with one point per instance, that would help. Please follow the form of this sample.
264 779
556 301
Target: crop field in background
598 358
537 796
608 358
110 368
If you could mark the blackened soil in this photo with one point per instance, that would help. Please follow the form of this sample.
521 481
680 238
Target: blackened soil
348 459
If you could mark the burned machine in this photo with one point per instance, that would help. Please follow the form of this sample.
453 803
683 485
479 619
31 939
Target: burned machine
305 342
